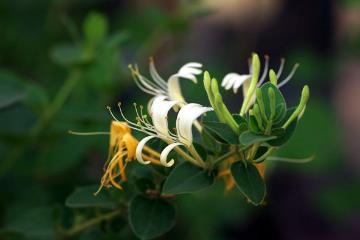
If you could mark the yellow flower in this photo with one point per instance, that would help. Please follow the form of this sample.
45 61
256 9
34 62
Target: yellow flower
122 149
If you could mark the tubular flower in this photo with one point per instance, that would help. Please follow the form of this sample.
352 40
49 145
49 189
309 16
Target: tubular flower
170 88
122 149
159 128
235 80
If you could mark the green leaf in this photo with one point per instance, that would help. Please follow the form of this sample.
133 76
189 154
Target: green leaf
187 178
248 138
241 121
249 181
68 55
11 89
210 143
144 184
223 131
284 136
36 97
253 125
280 104
95 29
51 162
150 218
36 223
83 197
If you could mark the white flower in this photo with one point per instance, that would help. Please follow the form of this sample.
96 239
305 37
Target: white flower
159 128
158 111
185 119
235 80
171 89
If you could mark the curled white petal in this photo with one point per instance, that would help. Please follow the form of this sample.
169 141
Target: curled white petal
185 119
165 153
139 149
188 71
234 81
155 75
159 111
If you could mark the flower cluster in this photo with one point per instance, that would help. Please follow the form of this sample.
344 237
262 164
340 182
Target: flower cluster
229 146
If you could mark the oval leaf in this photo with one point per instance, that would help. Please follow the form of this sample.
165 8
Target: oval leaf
223 131
150 218
249 181
84 197
187 178
248 138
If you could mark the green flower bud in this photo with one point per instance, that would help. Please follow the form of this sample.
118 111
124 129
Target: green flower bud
260 101
257 115
255 66
305 94
272 99
273 78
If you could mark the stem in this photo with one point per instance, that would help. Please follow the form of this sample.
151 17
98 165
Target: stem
89 223
56 104
187 157
197 156
263 157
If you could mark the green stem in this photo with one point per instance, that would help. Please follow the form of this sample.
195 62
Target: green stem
92 222
197 156
263 157
56 104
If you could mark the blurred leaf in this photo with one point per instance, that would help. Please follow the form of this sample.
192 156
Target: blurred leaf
95 29
11 89
249 181
15 120
186 178
36 97
68 55
83 197
63 154
36 223
150 218
248 138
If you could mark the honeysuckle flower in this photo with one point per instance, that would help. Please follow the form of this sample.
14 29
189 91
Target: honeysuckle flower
185 119
235 80
159 127
170 88
122 148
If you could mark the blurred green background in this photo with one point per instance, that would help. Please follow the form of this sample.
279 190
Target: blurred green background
62 62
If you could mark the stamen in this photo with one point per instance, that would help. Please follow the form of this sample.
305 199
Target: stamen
134 125
155 75
265 71
143 88
111 113
289 76
282 63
